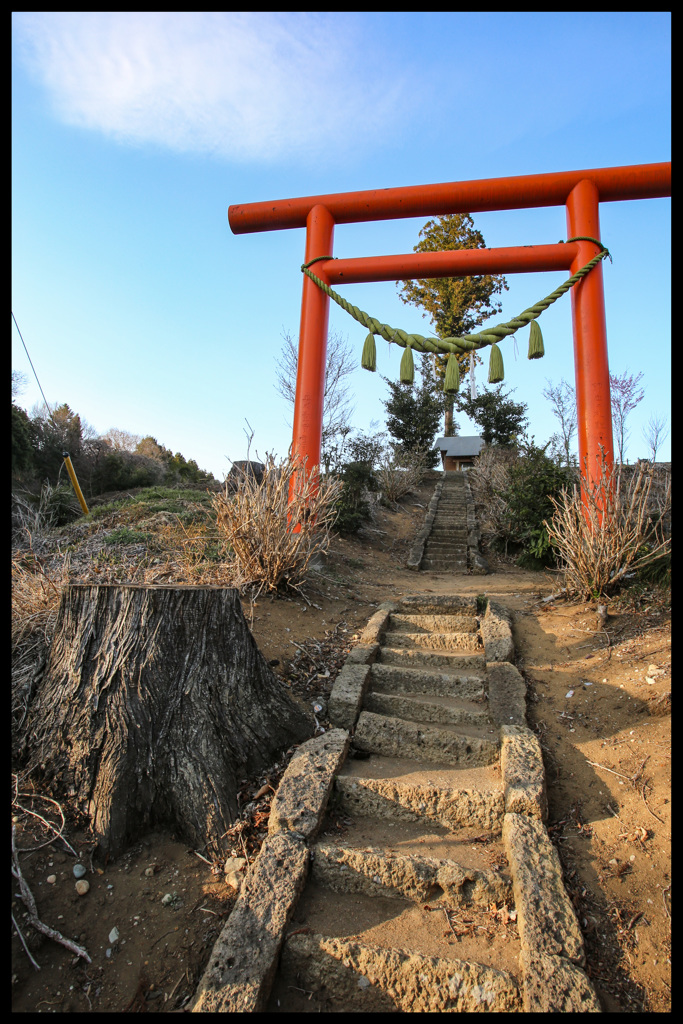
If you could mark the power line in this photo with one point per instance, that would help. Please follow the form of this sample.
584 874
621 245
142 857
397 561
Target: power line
34 370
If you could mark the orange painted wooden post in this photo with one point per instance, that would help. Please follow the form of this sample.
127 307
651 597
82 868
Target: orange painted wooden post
581 191
591 368
310 379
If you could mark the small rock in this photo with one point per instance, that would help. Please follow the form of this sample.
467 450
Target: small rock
51 879
79 870
82 887
233 871
149 872
168 898
114 935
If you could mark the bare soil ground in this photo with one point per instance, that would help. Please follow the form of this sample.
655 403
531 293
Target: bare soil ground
603 718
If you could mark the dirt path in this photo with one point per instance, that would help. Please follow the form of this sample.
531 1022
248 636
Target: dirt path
610 824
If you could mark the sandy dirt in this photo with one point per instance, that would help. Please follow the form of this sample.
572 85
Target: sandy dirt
600 710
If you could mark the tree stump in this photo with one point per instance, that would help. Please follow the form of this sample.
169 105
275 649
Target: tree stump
155 702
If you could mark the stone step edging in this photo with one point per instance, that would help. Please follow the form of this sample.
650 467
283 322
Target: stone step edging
243 962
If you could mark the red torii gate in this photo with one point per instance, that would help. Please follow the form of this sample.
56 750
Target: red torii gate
581 192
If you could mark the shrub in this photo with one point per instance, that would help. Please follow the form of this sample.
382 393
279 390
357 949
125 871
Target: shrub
402 472
258 523
351 507
534 480
513 488
606 532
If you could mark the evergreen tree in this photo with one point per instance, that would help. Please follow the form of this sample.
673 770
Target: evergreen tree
22 447
456 306
500 420
414 412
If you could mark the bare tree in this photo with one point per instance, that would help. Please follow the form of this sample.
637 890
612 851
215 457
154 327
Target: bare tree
655 434
337 407
19 382
626 394
563 400
122 440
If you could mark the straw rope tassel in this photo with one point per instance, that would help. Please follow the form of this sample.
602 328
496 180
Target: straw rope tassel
369 357
407 369
451 382
536 349
496 371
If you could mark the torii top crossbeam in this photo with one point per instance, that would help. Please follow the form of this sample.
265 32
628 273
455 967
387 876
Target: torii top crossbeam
580 191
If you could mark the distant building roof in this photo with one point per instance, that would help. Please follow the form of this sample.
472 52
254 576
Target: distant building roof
459 446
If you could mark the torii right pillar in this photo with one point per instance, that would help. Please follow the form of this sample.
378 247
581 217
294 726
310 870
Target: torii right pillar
591 367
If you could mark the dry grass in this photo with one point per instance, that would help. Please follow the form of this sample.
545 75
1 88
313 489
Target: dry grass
257 524
397 477
489 478
606 531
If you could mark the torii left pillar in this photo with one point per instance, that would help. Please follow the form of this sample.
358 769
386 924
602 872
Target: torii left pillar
310 378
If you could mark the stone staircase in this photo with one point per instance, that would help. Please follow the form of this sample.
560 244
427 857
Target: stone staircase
407 866
445 549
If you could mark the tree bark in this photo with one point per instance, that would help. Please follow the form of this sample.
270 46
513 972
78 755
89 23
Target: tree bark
155 702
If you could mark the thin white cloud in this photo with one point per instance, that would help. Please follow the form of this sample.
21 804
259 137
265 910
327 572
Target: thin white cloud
247 86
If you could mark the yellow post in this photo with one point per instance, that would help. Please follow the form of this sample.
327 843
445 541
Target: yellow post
72 474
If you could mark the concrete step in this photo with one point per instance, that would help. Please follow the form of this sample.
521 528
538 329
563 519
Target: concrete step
456 556
412 861
417 623
401 678
448 536
439 565
400 789
439 604
439 661
419 708
448 531
344 974
434 547
434 641
443 744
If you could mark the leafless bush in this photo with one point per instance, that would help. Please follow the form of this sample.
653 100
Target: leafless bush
258 524
608 529
397 475
32 521
489 478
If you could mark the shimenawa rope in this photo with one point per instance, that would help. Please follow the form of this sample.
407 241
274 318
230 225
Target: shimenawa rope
457 345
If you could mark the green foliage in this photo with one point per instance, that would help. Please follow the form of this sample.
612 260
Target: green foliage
500 420
533 480
60 504
39 441
155 499
456 305
22 447
414 413
657 572
53 436
352 506
121 471
124 535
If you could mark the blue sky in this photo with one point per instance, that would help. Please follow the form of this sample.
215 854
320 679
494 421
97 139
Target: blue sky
134 132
